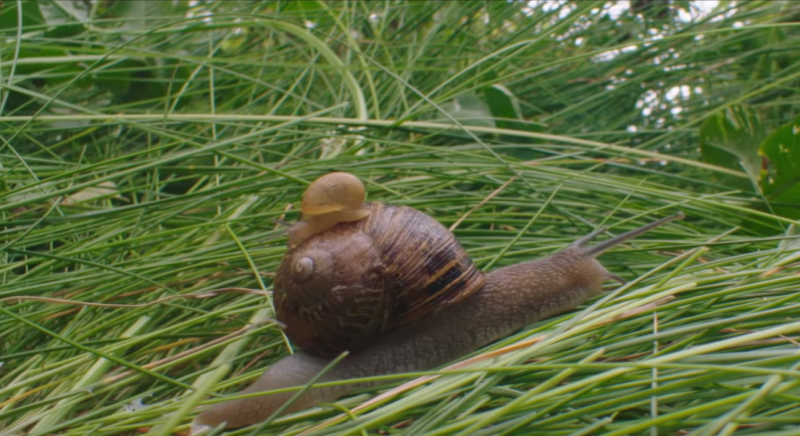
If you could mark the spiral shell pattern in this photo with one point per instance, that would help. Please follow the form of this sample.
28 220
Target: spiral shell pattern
343 288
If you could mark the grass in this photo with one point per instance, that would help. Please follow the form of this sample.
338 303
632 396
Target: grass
122 313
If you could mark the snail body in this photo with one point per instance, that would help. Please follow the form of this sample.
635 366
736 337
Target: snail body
482 309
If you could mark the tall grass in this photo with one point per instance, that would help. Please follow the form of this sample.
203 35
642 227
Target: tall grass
147 153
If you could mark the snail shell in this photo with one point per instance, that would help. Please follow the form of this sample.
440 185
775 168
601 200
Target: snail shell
341 289
331 199
333 192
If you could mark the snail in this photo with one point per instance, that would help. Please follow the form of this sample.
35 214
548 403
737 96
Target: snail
331 199
370 285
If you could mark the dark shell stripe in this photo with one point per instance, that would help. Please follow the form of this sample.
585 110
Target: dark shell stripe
426 267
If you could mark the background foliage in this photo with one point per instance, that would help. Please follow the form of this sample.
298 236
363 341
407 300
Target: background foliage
147 147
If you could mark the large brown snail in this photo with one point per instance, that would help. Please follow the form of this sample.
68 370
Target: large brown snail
365 277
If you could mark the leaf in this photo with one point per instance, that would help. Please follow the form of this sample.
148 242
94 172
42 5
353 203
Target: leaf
311 6
311 12
780 174
77 9
62 12
502 104
53 15
104 189
469 110
792 241
138 15
66 18
730 138
31 16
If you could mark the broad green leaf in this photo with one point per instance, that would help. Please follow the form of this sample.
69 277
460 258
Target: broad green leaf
132 80
60 12
53 14
730 138
469 110
63 17
31 16
142 15
502 104
78 10
780 174
311 6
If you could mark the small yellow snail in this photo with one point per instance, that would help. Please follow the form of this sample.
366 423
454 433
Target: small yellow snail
369 285
331 199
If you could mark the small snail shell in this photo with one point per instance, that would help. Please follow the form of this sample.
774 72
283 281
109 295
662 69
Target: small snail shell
343 288
333 192
331 199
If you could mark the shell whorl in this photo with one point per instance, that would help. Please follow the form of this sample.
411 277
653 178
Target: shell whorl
375 275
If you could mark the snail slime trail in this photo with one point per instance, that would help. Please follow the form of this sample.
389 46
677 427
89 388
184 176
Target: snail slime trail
361 285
